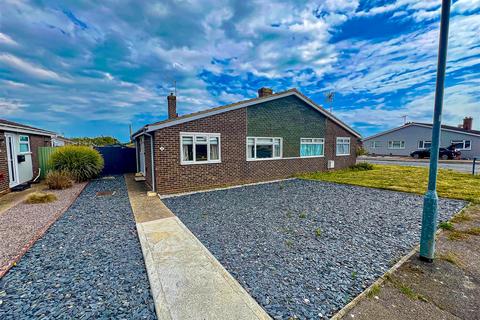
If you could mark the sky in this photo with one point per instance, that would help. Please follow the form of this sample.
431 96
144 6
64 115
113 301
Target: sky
89 68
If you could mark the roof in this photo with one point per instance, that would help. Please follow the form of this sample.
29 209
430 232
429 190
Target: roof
427 125
238 105
10 126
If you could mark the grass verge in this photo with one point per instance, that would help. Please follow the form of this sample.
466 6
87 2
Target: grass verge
451 184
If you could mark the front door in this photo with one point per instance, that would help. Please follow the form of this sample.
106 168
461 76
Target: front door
12 160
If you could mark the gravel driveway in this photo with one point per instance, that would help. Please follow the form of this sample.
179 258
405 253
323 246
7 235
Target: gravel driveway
305 248
88 265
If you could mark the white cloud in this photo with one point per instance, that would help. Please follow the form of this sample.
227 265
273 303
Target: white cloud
21 65
7 39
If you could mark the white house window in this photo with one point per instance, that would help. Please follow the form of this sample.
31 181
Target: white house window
396 144
264 148
24 144
312 147
462 144
422 144
375 144
200 148
343 146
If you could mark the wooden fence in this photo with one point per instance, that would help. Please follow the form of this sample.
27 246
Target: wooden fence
44 154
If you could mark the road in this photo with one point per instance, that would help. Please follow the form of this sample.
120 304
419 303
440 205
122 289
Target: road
461 167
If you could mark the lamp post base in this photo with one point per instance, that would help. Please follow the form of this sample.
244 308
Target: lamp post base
425 259
429 225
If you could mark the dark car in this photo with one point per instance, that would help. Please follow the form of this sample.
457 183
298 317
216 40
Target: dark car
443 153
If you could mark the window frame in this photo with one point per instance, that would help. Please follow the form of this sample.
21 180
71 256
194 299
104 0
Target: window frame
391 142
20 142
255 148
349 146
194 136
423 144
316 156
463 142
376 144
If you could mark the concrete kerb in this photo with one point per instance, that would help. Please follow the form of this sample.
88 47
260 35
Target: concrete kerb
342 312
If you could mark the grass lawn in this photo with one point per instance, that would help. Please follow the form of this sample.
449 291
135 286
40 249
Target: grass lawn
451 184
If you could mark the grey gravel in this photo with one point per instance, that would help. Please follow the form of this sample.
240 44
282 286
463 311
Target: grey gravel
20 224
306 248
88 265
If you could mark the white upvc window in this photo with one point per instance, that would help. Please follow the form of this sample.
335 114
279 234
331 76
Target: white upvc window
312 147
375 144
423 144
462 144
264 148
396 144
197 148
24 144
343 146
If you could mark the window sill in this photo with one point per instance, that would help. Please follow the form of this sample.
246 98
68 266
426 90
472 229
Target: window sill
199 162
287 158
24 153
342 155
265 159
307 157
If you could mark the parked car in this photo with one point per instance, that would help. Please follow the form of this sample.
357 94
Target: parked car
443 153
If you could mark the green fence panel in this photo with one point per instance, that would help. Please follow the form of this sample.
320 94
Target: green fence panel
44 154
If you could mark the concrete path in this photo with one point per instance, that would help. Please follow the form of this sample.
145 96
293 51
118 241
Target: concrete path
187 281
449 288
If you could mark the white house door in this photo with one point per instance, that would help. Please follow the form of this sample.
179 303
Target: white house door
142 155
12 160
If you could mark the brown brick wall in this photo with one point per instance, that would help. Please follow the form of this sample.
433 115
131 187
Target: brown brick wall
334 131
172 177
3 164
36 142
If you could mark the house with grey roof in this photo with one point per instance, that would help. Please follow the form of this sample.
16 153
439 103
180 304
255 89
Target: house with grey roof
412 136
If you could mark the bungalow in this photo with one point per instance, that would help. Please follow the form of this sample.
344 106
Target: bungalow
19 153
269 137
412 136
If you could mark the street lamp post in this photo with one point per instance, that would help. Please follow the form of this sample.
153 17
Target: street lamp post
430 204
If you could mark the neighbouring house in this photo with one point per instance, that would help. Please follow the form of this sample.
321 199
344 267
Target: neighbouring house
413 136
59 141
269 137
19 145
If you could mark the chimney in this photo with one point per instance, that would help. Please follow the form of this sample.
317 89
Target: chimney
264 92
172 106
468 123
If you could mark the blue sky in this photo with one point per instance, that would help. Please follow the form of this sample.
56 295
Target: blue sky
93 67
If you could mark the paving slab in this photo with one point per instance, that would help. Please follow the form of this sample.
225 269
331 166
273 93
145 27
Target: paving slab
186 280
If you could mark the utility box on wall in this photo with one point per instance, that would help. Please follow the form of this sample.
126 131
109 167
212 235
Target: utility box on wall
331 164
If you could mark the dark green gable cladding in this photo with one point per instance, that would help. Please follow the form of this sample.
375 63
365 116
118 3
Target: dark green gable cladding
289 118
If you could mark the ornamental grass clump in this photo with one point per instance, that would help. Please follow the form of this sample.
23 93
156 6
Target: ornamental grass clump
82 163
58 180
40 197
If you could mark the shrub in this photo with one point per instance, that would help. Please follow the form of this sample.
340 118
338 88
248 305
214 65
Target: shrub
40 197
362 166
58 180
82 163
361 151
